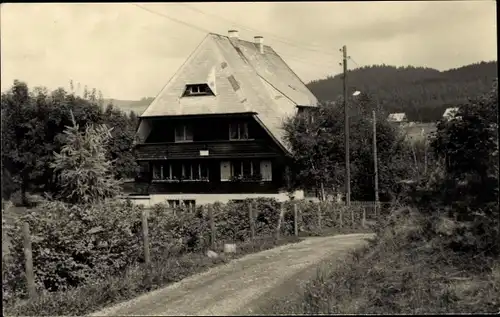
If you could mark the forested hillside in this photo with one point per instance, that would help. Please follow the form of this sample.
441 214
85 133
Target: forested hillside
423 93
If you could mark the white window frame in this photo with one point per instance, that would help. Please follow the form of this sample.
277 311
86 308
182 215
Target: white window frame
232 164
166 174
185 128
239 133
195 90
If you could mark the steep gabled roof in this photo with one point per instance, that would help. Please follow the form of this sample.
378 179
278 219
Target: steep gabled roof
243 80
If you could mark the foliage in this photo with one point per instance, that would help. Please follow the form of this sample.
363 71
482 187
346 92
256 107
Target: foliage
319 151
422 93
82 169
464 182
468 144
74 244
33 124
129 284
119 147
408 268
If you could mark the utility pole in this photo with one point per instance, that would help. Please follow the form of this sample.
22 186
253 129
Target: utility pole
346 132
375 162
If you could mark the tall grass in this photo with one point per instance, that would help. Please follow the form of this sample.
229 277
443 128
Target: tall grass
406 270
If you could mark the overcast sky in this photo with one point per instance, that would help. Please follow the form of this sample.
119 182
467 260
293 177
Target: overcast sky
129 53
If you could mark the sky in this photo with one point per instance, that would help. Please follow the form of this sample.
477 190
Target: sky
130 52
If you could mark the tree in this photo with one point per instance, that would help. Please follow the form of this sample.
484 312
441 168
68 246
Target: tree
22 136
83 171
422 93
119 148
319 151
32 129
468 145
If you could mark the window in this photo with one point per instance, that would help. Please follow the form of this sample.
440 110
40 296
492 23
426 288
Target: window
241 170
307 114
197 90
178 171
191 204
173 203
184 133
238 131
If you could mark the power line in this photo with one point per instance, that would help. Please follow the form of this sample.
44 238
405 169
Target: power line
172 19
350 58
277 37
308 62
208 31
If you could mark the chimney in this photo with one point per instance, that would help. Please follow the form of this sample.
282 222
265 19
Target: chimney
232 33
259 40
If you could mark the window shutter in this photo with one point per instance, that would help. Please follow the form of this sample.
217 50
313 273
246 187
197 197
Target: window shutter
189 133
179 133
266 170
225 171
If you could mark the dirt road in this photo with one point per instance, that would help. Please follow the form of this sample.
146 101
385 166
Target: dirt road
242 285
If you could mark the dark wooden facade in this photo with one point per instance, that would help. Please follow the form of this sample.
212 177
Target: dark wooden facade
209 154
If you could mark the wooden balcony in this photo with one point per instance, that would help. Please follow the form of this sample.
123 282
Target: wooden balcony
203 188
206 150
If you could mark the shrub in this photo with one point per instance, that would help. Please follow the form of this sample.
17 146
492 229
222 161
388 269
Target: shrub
73 245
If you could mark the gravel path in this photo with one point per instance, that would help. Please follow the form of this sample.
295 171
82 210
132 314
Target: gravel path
241 286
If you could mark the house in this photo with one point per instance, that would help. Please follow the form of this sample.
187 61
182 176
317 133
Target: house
450 113
399 118
214 132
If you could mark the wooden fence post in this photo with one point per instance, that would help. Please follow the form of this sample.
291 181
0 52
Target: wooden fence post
252 221
296 219
363 220
282 213
352 216
212 226
341 216
145 237
28 257
319 216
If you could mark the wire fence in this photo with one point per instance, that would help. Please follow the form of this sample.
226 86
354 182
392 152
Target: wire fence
216 227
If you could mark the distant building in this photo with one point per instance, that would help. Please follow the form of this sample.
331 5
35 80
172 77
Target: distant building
397 118
450 113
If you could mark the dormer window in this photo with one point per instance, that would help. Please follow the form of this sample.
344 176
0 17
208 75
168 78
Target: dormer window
198 90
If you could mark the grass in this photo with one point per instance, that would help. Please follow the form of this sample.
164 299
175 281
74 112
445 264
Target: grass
133 282
401 272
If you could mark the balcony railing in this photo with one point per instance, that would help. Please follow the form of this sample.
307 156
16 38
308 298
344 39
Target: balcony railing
206 149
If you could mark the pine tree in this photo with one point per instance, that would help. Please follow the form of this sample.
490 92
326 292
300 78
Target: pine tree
83 172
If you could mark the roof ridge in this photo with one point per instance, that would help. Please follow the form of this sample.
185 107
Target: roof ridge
239 39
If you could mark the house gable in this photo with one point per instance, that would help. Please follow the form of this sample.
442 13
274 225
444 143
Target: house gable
242 79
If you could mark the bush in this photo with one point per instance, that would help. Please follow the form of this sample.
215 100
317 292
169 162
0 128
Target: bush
414 265
73 245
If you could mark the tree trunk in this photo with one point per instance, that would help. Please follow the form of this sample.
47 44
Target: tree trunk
24 199
322 191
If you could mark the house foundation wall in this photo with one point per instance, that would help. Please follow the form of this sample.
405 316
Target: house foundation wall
202 199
